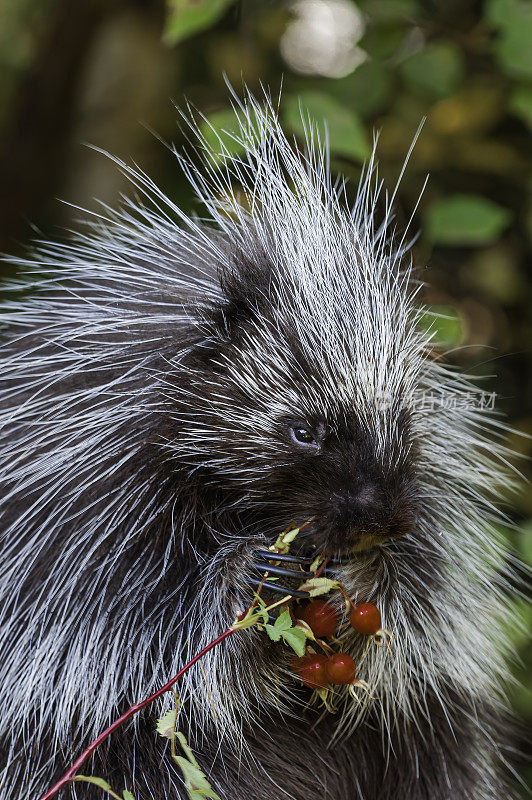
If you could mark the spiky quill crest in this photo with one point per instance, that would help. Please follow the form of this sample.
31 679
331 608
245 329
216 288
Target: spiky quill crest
144 377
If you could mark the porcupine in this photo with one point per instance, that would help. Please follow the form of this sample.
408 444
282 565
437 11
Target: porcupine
176 391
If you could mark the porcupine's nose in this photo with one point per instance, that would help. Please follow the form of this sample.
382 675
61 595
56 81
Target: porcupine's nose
365 514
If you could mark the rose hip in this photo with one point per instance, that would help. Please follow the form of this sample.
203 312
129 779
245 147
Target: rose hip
312 670
341 669
321 617
366 618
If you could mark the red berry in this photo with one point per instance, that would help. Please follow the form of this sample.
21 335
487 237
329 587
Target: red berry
366 618
341 669
312 670
321 617
297 610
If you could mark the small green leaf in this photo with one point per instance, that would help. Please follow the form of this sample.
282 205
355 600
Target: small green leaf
514 50
166 724
127 795
444 322
466 220
347 136
99 782
318 561
296 638
284 540
187 17
188 751
196 782
282 624
512 47
317 586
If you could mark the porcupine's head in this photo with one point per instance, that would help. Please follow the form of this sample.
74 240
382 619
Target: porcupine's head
179 390
316 393
297 398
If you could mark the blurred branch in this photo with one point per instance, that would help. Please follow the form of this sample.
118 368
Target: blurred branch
32 150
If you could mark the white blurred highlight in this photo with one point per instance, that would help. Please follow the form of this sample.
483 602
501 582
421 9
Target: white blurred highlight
322 38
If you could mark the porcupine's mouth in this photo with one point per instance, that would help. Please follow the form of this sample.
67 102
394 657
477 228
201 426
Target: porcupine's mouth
357 541
287 572
361 542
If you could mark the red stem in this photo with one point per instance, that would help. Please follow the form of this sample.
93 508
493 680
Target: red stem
69 776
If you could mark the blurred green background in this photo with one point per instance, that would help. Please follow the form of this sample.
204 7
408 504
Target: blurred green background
106 71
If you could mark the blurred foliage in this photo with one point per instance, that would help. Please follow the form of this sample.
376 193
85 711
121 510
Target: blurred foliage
444 323
185 18
95 69
345 131
462 219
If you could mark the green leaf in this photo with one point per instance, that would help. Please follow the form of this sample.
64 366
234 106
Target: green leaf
465 220
347 136
187 17
99 782
296 638
186 748
282 624
436 71
444 322
317 586
512 47
196 782
127 795
284 540
166 724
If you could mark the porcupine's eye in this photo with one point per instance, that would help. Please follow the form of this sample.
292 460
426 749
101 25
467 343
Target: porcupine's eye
302 435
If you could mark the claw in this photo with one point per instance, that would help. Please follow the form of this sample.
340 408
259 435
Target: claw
272 563
269 555
274 570
276 587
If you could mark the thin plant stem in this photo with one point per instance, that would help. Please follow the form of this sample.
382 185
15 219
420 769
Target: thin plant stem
246 620
70 775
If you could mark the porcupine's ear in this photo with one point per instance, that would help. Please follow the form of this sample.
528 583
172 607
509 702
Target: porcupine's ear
228 319
245 287
232 317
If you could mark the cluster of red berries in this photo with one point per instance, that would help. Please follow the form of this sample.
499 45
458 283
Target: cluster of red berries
316 670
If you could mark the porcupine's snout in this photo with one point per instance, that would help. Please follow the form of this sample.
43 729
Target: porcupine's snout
361 504
366 514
